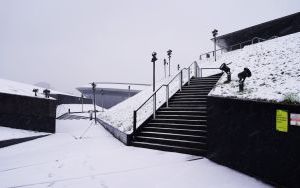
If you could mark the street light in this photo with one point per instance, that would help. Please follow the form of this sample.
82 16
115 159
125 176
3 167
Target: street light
81 102
94 93
169 52
215 33
226 69
153 60
242 76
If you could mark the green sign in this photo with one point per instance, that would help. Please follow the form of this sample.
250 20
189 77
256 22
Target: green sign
282 120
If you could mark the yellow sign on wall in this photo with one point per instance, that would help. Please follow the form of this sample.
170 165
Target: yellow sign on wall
282 120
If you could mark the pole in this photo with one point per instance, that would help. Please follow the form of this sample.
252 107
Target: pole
154 105
167 95
128 91
82 102
102 100
165 70
134 121
215 48
169 66
95 105
153 76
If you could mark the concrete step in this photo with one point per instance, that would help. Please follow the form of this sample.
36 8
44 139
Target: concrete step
181 112
178 125
179 121
172 142
181 117
175 136
197 109
163 147
175 131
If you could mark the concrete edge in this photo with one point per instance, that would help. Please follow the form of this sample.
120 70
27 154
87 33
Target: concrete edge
123 137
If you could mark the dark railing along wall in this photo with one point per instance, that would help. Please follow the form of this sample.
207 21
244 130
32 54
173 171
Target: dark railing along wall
234 47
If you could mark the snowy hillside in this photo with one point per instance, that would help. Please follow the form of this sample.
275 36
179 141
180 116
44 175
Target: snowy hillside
17 88
275 67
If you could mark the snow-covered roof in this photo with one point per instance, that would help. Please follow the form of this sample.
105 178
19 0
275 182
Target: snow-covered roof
275 67
18 88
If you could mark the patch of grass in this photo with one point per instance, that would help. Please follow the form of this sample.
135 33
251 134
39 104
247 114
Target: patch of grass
291 98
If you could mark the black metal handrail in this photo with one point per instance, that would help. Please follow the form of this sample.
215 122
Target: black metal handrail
206 69
230 48
167 92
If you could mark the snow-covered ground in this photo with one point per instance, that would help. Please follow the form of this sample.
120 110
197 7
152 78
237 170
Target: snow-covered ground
64 108
10 133
275 67
99 160
18 88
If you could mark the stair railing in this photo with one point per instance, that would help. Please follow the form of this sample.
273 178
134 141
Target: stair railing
170 90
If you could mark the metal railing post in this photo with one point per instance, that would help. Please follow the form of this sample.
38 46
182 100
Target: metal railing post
134 121
167 95
180 80
195 68
189 75
154 105
200 72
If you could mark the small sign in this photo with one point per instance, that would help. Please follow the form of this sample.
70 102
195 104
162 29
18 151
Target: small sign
295 119
282 120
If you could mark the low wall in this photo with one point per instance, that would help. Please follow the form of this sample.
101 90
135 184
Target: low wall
123 137
242 135
28 113
67 99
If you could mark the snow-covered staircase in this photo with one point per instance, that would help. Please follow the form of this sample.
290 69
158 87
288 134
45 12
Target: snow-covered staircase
181 127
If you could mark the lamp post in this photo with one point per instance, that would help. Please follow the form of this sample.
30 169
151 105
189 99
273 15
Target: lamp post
215 33
153 60
169 52
178 67
94 93
82 102
165 63
102 99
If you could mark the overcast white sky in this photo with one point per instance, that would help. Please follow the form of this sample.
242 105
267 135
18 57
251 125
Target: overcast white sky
68 43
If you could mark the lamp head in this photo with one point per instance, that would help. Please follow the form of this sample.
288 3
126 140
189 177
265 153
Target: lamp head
93 85
215 32
169 52
153 57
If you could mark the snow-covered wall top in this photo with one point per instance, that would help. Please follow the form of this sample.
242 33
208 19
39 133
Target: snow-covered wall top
275 67
17 88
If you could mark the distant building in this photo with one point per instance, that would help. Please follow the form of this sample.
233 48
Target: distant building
109 94
275 28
